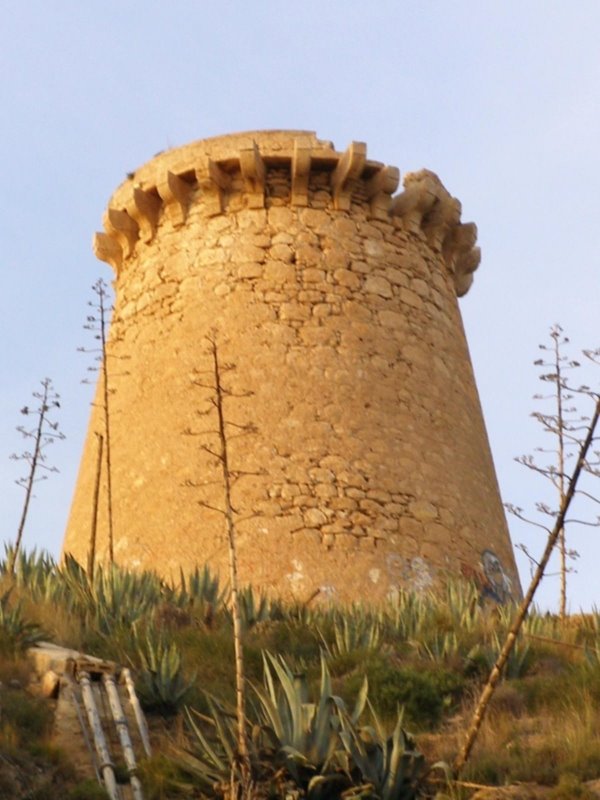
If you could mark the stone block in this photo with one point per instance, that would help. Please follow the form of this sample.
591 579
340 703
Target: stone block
294 311
346 277
312 275
377 285
279 272
282 252
314 518
423 511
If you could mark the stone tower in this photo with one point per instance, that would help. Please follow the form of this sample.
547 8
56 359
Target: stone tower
368 468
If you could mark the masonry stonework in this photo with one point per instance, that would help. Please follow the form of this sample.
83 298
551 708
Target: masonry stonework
368 468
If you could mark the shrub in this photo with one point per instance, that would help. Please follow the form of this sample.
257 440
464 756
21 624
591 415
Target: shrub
25 719
569 787
88 790
426 694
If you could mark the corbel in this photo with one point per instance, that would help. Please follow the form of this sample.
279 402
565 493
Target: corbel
253 171
461 255
120 225
464 267
301 160
460 239
421 191
380 188
444 215
349 167
213 182
175 194
106 248
462 283
144 209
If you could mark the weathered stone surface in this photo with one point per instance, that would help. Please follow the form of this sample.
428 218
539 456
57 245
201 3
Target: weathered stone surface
49 683
370 468
377 285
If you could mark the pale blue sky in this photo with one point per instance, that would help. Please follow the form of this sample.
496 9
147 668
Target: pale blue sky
501 99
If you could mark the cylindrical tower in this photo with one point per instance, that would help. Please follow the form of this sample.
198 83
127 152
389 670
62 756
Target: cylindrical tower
359 459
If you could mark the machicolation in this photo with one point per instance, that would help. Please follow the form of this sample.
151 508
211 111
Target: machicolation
368 469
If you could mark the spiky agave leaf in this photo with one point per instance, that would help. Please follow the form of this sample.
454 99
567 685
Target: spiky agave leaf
16 633
390 765
162 685
304 734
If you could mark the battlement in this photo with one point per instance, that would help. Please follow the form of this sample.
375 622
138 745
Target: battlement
212 171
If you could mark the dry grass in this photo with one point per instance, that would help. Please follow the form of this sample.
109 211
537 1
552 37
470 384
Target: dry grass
561 739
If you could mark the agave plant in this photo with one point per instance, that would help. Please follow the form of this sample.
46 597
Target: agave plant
161 683
388 767
114 598
214 755
439 648
319 746
305 735
122 597
518 662
31 570
461 601
407 616
351 633
292 738
16 634
257 607
197 591
545 625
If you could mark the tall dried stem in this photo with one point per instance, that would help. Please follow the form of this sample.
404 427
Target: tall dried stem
233 574
562 541
43 433
92 550
554 534
99 326
566 425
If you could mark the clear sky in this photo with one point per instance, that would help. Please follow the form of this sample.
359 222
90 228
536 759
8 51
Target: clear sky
501 99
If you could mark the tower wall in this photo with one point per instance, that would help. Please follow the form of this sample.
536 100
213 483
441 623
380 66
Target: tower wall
368 468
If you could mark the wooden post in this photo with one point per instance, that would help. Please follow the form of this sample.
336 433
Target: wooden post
105 765
123 733
92 551
137 710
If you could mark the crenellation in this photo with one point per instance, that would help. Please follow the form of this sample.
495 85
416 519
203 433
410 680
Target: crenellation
337 303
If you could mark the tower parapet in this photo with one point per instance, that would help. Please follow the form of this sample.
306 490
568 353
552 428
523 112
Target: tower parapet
369 469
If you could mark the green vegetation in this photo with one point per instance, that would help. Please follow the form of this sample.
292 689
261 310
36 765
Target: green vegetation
331 693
